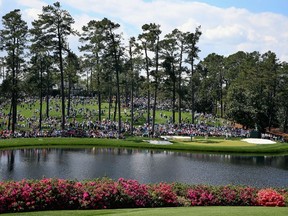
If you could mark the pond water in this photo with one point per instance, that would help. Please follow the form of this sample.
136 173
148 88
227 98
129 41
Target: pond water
146 166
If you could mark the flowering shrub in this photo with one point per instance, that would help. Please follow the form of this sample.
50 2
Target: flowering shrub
133 194
162 195
201 196
270 197
50 194
285 194
100 194
236 196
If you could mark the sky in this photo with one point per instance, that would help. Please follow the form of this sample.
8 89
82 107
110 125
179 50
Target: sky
227 26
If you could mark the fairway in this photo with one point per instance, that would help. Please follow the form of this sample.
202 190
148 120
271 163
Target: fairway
187 211
220 143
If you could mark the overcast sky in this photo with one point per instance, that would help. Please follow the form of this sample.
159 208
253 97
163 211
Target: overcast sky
227 25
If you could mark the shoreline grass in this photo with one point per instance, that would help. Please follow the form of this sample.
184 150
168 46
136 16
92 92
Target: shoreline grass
211 145
193 211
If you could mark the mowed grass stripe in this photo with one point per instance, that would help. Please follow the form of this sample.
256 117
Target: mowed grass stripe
187 211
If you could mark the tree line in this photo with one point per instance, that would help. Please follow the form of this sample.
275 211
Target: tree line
248 88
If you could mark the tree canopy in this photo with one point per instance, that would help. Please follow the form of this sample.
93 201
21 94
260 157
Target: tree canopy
248 88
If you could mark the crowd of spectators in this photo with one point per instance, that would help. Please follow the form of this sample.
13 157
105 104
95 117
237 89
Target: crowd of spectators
88 126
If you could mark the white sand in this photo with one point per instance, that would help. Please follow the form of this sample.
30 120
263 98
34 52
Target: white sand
258 141
157 142
248 140
176 137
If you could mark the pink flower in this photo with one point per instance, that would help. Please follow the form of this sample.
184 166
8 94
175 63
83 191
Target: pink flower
85 196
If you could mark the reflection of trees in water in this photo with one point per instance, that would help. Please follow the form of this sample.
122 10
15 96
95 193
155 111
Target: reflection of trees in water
37 155
10 160
9 154
281 162
273 161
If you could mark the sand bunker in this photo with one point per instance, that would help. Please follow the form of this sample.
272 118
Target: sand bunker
159 142
258 141
187 138
176 137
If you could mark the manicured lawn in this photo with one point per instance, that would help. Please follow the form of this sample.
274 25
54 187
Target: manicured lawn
193 211
216 145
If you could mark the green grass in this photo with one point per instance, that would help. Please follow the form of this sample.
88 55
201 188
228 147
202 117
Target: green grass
198 145
193 211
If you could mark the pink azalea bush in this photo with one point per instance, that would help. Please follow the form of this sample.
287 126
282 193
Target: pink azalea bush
270 197
99 194
50 194
133 194
203 195
162 195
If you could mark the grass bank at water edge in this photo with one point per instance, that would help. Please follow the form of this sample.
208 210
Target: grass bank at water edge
215 145
187 211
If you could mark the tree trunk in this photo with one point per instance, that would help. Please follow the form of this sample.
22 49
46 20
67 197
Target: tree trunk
99 92
41 95
221 95
192 92
69 97
115 109
110 104
156 88
119 101
148 83
174 95
154 107
117 69
132 90
9 117
48 92
99 106
285 121
126 90
62 80
14 90
132 105
179 85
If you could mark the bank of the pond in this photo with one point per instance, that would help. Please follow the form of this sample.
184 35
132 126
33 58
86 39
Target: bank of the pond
195 211
215 145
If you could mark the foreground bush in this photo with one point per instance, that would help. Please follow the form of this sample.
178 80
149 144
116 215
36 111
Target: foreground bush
50 194
270 197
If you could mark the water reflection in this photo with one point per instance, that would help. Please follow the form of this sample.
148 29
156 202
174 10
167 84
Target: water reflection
145 166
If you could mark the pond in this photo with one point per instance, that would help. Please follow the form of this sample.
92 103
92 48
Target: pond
146 166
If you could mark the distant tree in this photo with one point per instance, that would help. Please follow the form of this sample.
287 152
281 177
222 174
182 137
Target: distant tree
214 66
56 24
41 62
270 69
152 36
144 43
192 50
13 39
71 69
172 48
282 97
180 44
205 100
115 51
134 54
93 38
